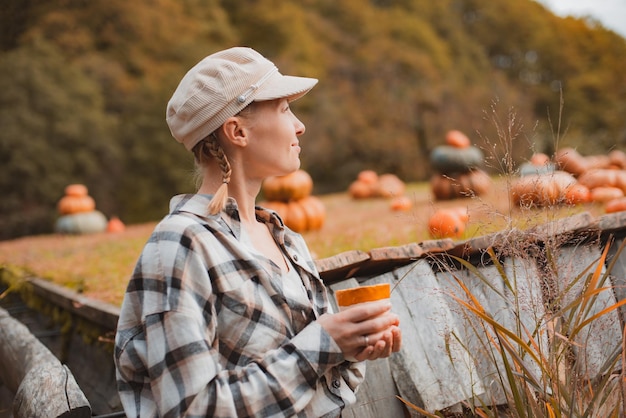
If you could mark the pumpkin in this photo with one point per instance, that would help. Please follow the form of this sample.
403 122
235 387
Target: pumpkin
577 193
76 200
115 225
606 194
539 159
569 160
76 190
599 177
541 189
315 212
617 158
368 176
388 186
447 159
615 205
461 212
472 183
445 223
307 214
293 186
401 203
81 223
361 190
457 139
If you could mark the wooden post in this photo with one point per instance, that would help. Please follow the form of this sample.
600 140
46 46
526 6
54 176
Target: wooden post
42 385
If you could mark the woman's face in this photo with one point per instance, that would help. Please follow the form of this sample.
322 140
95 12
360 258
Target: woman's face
273 148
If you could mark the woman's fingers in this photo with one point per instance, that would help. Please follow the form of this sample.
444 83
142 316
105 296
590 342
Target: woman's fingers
366 310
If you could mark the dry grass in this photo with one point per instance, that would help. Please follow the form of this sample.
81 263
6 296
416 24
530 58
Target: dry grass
98 265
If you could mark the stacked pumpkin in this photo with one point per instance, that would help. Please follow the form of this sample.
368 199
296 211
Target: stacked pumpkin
78 212
458 169
290 196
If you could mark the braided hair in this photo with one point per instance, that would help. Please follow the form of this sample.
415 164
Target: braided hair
211 148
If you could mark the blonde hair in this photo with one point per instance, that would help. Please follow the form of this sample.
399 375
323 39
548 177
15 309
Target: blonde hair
211 148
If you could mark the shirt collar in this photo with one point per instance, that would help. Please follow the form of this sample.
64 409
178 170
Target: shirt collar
198 205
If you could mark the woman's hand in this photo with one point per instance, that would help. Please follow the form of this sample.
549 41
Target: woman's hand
366 331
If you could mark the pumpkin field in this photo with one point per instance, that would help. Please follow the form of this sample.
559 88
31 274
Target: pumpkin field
98 264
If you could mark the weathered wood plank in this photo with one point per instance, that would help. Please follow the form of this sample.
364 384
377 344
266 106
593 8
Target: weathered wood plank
384 259
43 387
98 312
49 390
425 370
341 266
576 227
613 222
598 340
618 273
513 299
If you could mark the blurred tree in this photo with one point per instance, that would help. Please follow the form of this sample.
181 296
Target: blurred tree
395 75
54 132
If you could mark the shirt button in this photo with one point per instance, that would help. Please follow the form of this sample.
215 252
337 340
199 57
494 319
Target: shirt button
336 384
295 257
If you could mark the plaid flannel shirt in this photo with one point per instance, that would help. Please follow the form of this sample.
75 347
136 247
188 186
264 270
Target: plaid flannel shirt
206 330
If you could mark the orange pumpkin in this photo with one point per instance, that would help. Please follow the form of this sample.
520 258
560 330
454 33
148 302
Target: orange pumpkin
115 225
577 193
615 205
472 183
541 189
361 190
461 212
606 194
445 223
293 186
307 214
457 139
401 203
539 159
568 159
388 186
617 158
599 177
76 190
76 200
315 212
368 177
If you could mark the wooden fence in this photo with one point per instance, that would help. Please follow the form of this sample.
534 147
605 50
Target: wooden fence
443 362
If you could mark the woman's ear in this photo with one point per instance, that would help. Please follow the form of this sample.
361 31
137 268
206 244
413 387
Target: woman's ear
235 131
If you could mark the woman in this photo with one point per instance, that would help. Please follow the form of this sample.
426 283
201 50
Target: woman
225 314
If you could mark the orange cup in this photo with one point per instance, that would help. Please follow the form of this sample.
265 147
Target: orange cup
369 293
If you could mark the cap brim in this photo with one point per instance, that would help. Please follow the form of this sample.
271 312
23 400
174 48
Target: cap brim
284 86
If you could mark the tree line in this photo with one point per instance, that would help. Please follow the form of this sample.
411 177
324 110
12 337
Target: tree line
84 85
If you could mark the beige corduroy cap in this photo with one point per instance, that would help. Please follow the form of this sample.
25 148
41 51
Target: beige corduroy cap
220 86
